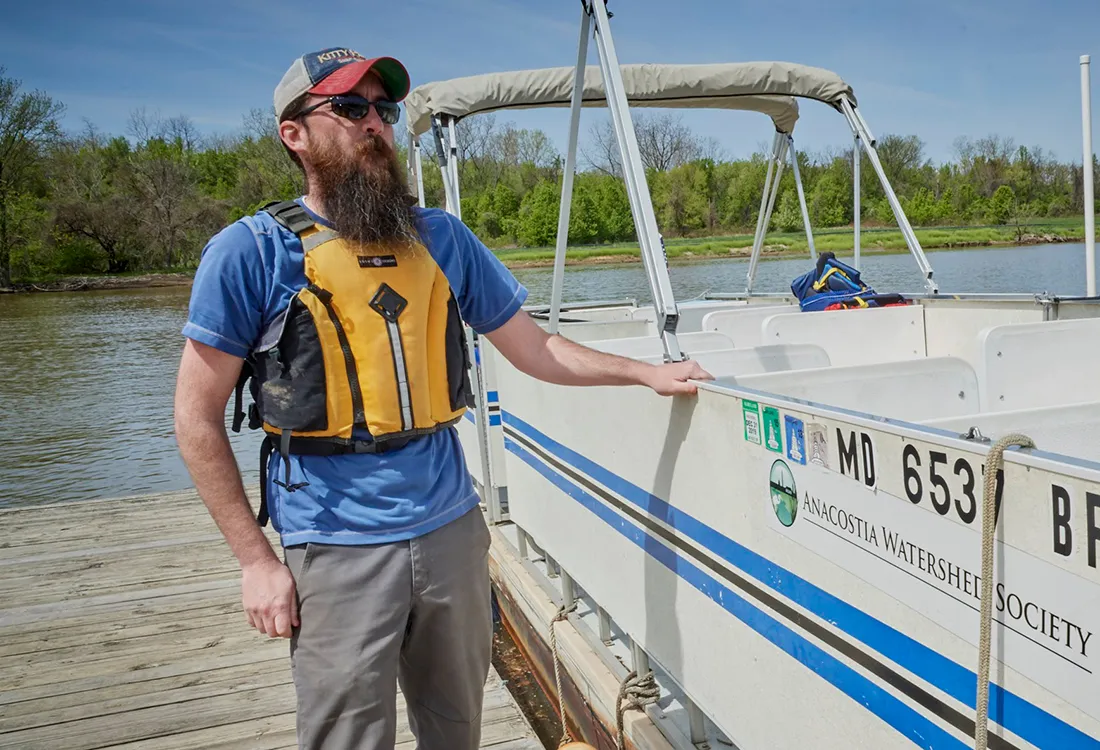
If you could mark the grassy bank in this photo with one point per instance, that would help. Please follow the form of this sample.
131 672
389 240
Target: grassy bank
840 241
779 245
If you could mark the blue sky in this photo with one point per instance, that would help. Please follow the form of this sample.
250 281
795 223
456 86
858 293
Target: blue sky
935 68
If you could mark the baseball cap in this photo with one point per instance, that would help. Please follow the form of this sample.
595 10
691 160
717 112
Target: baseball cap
337 70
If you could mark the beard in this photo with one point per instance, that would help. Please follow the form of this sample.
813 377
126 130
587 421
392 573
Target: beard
364 193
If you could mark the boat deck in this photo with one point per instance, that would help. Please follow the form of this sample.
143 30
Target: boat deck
121 627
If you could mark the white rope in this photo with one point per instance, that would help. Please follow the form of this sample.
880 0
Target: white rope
563 614
993 467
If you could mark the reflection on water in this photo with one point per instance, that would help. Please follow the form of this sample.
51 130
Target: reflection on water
1057 269
86 387
87 379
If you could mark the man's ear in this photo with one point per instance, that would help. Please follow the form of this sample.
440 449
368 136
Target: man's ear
293 135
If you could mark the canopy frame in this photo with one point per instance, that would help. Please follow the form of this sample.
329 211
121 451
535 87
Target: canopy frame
595 21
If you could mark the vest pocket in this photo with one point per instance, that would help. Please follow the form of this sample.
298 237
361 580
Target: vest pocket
292 375
458 359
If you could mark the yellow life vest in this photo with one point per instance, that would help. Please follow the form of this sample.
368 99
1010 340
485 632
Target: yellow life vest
374 341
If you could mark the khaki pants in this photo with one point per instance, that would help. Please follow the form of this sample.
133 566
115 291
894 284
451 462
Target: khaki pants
417 612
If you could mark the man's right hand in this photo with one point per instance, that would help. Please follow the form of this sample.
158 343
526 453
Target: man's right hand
268 595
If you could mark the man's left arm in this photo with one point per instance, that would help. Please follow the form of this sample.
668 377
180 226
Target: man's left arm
556 359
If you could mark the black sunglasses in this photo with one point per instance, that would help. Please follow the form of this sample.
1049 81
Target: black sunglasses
356 108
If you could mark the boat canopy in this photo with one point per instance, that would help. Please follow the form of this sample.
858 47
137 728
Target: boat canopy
766 87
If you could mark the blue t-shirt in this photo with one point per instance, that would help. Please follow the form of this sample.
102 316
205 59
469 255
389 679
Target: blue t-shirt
248 273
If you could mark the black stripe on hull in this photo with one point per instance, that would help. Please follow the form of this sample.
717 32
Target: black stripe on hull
899 682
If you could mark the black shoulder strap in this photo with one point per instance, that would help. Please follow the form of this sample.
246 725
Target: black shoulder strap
238 393
290 215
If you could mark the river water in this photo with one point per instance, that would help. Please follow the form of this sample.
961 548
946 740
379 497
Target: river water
87 378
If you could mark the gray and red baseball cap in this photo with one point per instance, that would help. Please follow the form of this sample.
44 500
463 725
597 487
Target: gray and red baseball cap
337 70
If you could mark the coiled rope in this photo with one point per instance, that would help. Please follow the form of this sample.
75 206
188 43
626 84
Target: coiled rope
636 692
994 465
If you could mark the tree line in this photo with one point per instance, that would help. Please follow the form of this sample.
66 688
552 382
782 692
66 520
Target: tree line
88 202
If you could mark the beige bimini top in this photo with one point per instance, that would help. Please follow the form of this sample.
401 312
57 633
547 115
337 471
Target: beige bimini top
766 87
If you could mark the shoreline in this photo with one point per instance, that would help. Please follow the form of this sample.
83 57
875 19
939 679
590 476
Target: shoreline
100 283
784 252
676 255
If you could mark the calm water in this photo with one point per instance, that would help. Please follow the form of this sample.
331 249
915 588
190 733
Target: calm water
86 379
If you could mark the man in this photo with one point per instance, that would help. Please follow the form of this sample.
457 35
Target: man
347 306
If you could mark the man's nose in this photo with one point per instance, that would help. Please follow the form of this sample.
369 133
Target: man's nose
373 121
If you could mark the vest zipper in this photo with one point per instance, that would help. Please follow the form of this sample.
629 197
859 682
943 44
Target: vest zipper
359 416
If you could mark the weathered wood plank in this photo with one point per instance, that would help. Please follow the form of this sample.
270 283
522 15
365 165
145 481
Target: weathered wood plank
122 628
102 623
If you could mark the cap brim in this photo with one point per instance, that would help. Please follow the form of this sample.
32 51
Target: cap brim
394 77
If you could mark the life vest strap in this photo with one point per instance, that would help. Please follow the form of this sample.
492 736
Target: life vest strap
330 447
312 447
266 449
290 214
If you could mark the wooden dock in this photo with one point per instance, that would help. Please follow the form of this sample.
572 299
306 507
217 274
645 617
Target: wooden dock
121 627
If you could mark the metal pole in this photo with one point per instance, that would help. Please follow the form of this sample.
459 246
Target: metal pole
641 204
859 127
567 177
639 658
1090 200
568 590
758 248
489 493
857 190
802 197
760 228
605 625
454 168
444 167
409 156
419 173
697 724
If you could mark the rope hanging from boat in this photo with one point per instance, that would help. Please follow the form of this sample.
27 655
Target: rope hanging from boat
563 614
637 692
994 465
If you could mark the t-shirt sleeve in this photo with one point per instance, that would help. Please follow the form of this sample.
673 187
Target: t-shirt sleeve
489 295
227 297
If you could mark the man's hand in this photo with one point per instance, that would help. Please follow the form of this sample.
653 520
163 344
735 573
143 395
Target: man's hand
556 359
674 378
268 595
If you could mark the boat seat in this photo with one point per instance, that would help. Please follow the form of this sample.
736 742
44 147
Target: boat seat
692 313
650 346
758 359
853 337
915 390
606 329
743 324
1029 365
1070 429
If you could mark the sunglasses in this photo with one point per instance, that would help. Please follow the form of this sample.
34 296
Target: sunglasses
356 108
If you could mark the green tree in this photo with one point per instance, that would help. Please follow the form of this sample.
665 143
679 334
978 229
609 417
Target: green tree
28 124
1002 206
584 215
613 204
830 200
921 208
538 215
93 213
788 215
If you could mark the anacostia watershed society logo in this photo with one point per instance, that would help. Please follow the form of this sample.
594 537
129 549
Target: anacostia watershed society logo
784 493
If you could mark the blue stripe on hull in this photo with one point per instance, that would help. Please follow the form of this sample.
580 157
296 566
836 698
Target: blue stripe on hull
1010 711
883 704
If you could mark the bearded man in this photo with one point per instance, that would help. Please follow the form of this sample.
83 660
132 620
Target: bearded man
346 308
